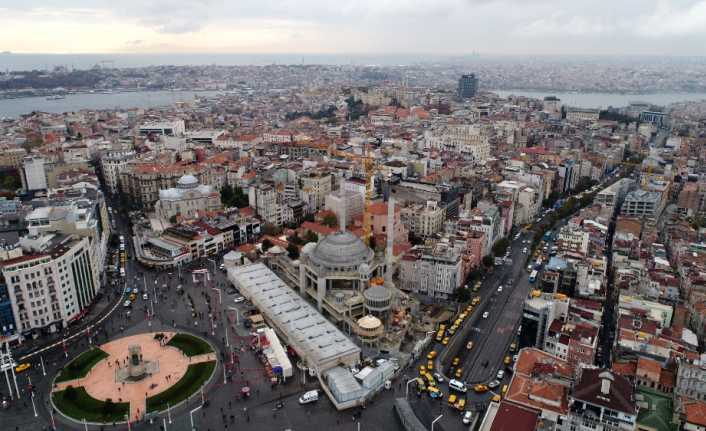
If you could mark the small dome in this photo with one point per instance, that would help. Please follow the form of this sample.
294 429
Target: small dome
377 293
369 322
187 182
341 249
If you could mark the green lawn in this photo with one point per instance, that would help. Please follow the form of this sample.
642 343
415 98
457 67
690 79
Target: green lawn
190 345
196 375
81 365
78 404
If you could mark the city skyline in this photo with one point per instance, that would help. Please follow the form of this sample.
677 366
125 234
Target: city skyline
446 27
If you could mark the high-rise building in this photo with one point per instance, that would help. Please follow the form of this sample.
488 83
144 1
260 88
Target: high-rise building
467 86
35 176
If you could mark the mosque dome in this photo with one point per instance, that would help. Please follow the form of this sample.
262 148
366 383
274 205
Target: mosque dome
188 181
341 249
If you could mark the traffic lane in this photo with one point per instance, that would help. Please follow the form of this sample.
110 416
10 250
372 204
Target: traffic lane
507 315
500 337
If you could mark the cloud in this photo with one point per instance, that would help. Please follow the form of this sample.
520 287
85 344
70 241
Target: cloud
437 26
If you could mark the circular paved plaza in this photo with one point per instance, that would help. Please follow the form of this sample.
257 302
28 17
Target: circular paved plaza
137 370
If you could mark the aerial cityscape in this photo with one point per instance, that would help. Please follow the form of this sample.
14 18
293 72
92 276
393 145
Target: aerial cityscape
284 232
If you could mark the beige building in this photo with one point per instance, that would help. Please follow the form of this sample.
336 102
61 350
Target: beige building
424 220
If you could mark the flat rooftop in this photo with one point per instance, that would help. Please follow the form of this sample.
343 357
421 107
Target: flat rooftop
312 336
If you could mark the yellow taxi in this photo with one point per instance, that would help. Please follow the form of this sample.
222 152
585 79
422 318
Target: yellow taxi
445 341
452 399
460 404
496 398
431 355
504 390
475 300
434 392
132 297
422 369
430 365
459 372
455 361
480 388
507 360
23 367
513 347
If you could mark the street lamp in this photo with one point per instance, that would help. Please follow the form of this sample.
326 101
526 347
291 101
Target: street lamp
406 387
434 421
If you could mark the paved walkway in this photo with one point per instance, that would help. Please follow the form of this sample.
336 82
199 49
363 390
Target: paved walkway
101 382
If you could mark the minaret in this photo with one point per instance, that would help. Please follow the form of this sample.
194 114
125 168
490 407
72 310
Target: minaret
390 239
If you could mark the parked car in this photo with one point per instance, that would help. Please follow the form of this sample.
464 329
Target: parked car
238 299
309 397
467 417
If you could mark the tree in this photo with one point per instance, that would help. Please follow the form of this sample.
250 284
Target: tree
330 220
294 239
70 393
500 246
266 244
462 294
293 251
173 219
271 229
488 261
311 236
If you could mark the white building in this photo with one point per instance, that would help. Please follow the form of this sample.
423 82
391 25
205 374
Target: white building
187 200
81 211
435 272
345 204
464 139
35 175
51 284
170 128
113 163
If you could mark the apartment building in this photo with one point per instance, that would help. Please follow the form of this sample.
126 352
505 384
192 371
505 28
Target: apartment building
51 283
424 221
113 163
432 271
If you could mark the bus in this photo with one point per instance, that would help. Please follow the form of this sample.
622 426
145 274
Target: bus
533 276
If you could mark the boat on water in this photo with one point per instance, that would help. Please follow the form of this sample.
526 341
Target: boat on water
56 97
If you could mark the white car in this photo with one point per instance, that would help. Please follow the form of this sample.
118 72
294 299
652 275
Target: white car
500 289
135 291
309 397
524 250
238 299
500 375
439 378
145 297
494 384
467 417
127 303
485 315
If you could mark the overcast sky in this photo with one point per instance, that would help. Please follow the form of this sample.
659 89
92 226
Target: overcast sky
672 27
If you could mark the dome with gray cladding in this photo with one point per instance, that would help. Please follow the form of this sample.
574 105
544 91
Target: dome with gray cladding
341 249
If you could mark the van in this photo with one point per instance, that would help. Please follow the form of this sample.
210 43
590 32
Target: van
457 386
309 397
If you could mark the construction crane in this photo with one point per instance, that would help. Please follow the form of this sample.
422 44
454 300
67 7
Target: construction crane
370 167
